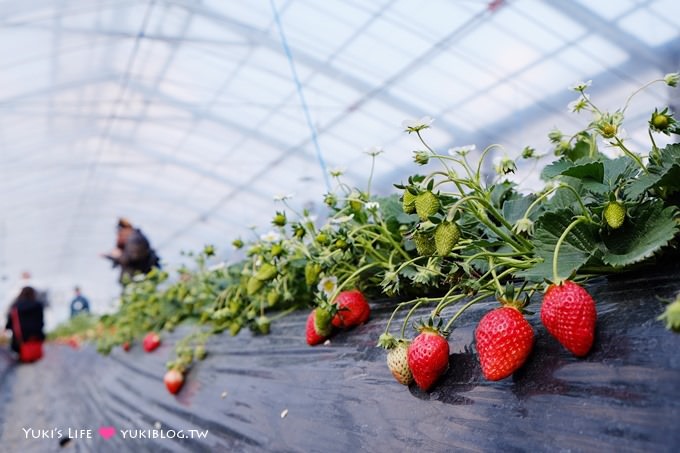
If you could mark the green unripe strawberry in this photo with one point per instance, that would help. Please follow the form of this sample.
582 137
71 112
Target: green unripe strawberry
299 231
279 219
277 250
408 202
446 236
660 121
322 322
614 214
427 204
234 328
273 297
312 271
199 352
254 285
424 244
262 325
267 272
340 244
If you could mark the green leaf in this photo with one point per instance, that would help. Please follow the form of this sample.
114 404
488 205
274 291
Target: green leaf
615 169
564 198
576 250
514 208
501 192
665 174
651 228
556 168
586 171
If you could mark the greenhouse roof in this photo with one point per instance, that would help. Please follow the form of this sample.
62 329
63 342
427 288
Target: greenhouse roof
189 117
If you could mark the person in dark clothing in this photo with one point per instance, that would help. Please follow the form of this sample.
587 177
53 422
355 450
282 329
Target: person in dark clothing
79 304
30 312
133 253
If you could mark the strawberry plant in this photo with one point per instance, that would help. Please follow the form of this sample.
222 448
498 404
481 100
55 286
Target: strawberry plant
449 238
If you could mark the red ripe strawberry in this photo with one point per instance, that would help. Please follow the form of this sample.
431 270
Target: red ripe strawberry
568 312
173 380
313 336
428 357
504 341
126 346
353 310
397 362
151 341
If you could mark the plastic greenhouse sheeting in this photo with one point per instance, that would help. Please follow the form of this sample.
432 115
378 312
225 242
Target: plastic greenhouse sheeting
275 393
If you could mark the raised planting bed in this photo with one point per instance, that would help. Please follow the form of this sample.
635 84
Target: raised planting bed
275 393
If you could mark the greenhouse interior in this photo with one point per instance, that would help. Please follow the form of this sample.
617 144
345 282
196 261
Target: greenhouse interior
298 225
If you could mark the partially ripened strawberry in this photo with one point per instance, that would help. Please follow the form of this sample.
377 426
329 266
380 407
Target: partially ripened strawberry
397 362
614 214
173 380
428 357
446 236
313 337
322 320
126 346
353 309
427 204
151 341
504 341
568 312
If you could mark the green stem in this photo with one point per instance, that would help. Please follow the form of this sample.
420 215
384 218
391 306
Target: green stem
554 189
556 278
494 276
408 316
350 278
394 312
632 155
370 177
481 159
465 307
655 149
634 93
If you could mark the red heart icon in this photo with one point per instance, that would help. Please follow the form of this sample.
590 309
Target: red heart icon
107 432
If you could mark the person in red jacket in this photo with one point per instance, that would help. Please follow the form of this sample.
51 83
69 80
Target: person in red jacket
31 318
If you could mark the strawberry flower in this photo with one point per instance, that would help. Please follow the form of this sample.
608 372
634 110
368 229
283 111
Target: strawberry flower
341 219
372 206
328 285
505 165
271 236
283 197
461 150
579 104
581 86
374 150
524 226
672 79
411 125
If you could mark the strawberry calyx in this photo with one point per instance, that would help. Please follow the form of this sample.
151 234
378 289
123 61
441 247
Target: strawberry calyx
433 325
389 341
512 298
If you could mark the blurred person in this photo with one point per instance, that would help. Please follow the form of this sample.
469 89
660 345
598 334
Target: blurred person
132 253
25 320
79 304
26 280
